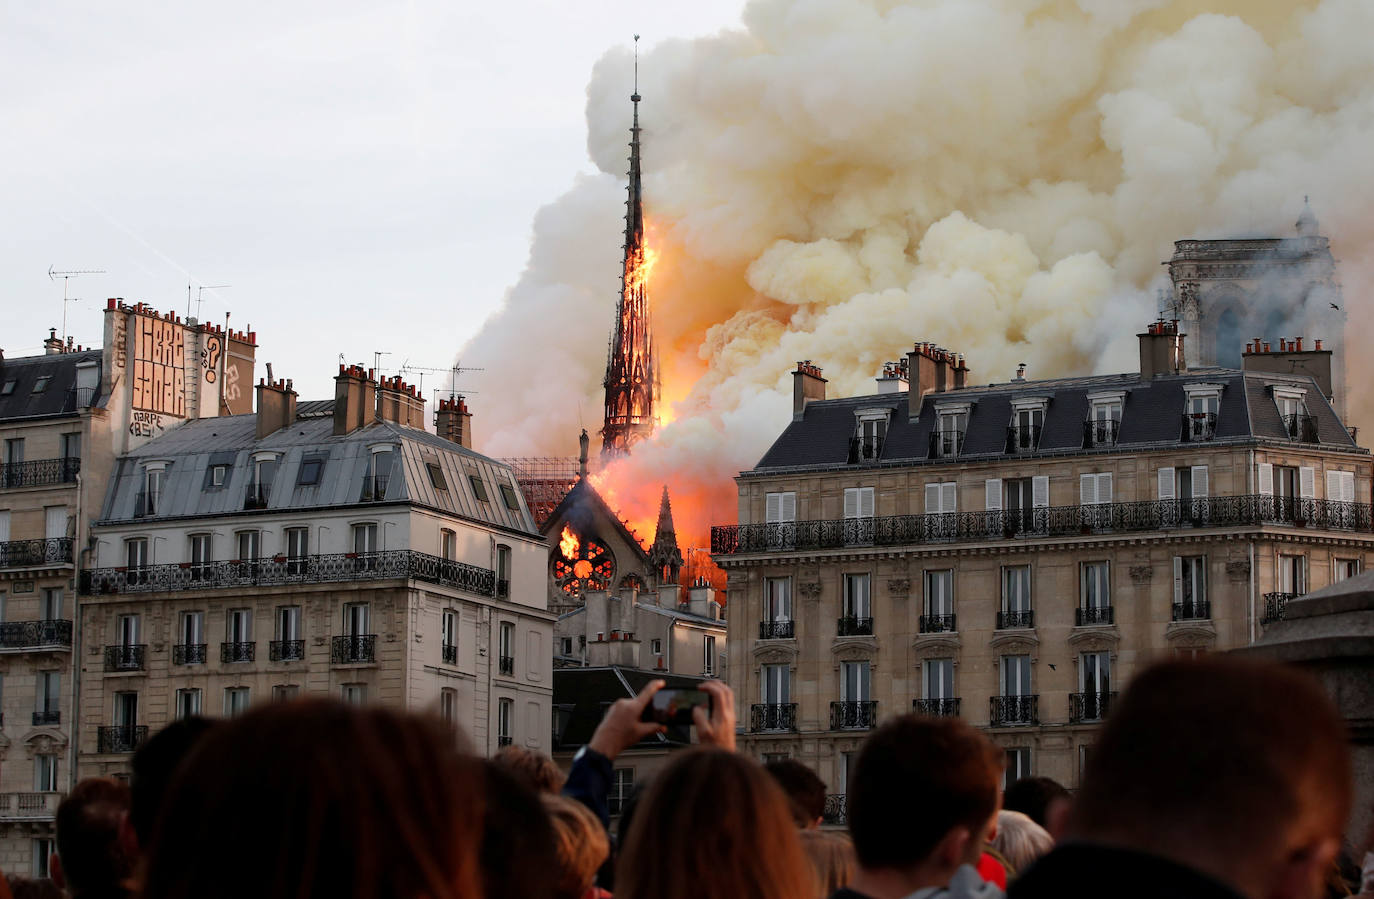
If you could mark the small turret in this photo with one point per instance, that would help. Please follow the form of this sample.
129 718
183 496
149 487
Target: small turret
664 555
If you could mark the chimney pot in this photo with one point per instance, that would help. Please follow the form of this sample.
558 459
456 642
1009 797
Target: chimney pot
1318 344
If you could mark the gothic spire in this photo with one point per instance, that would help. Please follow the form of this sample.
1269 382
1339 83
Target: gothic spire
664 555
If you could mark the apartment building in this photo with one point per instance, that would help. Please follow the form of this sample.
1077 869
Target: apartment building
333 548
1014 553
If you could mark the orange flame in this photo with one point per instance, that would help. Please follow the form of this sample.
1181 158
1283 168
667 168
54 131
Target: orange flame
568 543
641 266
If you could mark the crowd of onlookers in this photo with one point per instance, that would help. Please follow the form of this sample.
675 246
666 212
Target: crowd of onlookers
1218 778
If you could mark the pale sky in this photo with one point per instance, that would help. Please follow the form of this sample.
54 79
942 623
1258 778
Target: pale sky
364 175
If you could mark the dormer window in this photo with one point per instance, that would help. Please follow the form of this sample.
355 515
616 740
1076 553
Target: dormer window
951 422
1027 420
378 474
1292 405
1104 418
264 469
871 430
150 497
1200 411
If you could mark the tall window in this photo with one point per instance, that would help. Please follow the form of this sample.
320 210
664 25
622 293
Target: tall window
297 548
448 544
448 638
235 701
45 773
1025 428
622 787
1018 765
1344 569
776 681
152 491
502 570
937 679
127 630
71 445
356 619
506 647
1016 597
191 630
49 696
188 702
1104 418
948 438
780 513
250 545
505 711
1095 593
448 705
777 597
708 647
854 681
868 439
1190 587
939 591
136 556
43 850
201 557
365 539
1293 574
1094 672
50 606
239 626
1016 675
378 473
290 646
355 694
856 596
126 709
260 489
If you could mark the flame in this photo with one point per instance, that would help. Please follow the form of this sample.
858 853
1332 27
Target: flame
568 543
638 268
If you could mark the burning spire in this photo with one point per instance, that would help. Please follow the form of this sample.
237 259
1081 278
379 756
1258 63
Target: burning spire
664 555
632 382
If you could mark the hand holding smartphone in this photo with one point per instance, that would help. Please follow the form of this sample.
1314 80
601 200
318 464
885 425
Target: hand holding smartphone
674 706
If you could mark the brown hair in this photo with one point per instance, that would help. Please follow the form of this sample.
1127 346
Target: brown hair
581 843
917 779
534 769
832 858
317 798
712 823
88 846
805 790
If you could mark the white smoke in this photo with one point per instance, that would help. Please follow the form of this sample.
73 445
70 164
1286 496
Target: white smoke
841 178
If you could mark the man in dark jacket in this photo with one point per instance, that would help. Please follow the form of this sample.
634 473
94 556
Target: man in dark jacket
1215 779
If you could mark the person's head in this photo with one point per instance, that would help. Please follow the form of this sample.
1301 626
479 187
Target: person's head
518 847
1020 840
682 846
33 888
319 798
152 768
581 843
1039 798
923 797
832 858
534 769
1235 767
89 857
805 791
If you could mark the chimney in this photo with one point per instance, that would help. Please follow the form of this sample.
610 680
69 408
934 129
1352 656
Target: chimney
53 345
894 377
933 369
597 620
1290 358
807 386
355 399
960 372
701 600
1021 372
399 402
276 404
1161 350
453 421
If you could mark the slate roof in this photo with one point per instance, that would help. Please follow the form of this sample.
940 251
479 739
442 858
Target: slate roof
656 609
587 691
1151 417
582 503
25 372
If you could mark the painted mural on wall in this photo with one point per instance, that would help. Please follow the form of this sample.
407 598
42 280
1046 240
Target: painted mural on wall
159 367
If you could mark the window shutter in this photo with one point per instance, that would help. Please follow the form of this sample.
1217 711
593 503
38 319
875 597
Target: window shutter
866 502
948 497
993 502
1266 478
932 499
1199 481
1087 489
1166 483
1333 486
789 507
851 502
1040 491
1104 487
773 508
1347 486
1178 580
1307 478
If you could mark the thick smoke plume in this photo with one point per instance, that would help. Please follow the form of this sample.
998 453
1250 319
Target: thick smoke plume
836 180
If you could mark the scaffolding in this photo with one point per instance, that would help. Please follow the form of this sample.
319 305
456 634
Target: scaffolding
544 480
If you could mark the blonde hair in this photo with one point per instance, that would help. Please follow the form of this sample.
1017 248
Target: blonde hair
580 842
1020 840
831 856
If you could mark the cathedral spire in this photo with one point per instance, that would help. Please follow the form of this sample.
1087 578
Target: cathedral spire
664 555
631 371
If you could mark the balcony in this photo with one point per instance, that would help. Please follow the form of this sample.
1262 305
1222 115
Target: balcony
232 651
777 630
286 650
1193 610
1013 711
936 624
506 666
39 472
1198 427
1011 620
853 714
1274 605
836 810
1100 432
283 571
773 718
1089 706
125 657
353 649
936 708
36 553
47 717
51 633
1302 428
851 626
1022 439
120 738
374 489
450 652
29 806
1249 510
256 496
946 444
1093 615
865 449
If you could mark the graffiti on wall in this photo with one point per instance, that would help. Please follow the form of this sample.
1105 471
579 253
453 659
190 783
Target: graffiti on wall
146 424
210 357
159 372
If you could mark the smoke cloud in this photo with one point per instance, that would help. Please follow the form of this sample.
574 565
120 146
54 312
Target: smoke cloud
837 179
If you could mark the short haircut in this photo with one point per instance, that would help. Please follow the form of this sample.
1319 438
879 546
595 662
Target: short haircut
1032 797
153 766
88 844
917 779
832 858
805 791
1220 755
534 769
1020 840
581 843
517 839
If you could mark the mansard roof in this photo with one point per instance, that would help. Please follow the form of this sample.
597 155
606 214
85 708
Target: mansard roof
56 397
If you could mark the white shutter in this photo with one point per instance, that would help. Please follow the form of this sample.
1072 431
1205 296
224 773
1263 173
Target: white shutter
789 507
1040 491
1199 481
866 502
5 527
55 522
1266 478
851 502
1166 483
1333 486
1347 486
993 502
773 508
1104 487
932 499
948 497
1307 482
1087 489
1178 580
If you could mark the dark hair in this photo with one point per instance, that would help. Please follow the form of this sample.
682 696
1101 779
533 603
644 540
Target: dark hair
318 798
152 768
534 769
682 845
916 779
32 888
518 849
805 791
88 844
1031 796
1219 755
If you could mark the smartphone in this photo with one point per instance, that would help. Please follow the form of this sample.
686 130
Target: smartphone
670 706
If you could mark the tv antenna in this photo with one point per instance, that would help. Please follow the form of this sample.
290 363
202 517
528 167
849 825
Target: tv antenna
67 276
452 371
199 293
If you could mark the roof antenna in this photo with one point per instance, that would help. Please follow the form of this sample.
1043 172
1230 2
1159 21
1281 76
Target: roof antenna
199 292
67 276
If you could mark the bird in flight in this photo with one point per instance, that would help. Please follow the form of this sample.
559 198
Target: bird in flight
1334 306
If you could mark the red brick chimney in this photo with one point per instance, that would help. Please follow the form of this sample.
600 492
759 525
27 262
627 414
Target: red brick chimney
453 421
355 399
276 405
399 402
807 386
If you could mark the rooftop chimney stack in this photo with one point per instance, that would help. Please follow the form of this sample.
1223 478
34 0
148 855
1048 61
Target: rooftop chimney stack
807 386
355 399
400 402
1021 372
453 421
894 378
1289 359
276 405
1161 350
933 369
53 345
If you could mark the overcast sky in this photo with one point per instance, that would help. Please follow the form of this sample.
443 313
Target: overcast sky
364 175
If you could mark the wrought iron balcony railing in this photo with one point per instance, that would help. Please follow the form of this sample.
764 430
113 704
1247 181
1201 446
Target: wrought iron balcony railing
836 810
778 717
1009 711
256 496
865 449
504 741
374 489
45 634
286 650
47 717
188 653
1088 615
1022 439
354 648
853 626
1100 432
936 708
39 806
1019 618
851 714
1192 610
777 630
33 553
1198 426
1274 605
450 652
1089 706
40 472
946 444
238 651
125 656
120 738
507 666
279 570
1250 510
936 624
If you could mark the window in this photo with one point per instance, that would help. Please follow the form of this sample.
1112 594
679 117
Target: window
8 387
249 543
1094 594
136 554
1292 406
777 599
939 599
1293 574
937 679
1104 418
378 473
1027 418
1016 597
1016 675
1018 765
191 632
941 498
622 786
1094 673
355 620
448 705
509 498
40 383
1344 569
126 629
260 487
708 648
310 471
235 701
1340 499
43 851
285 692
854 682
48 699
776 681
201 556
216 476
502 570
152 491
951 423
448 635
505 711
1190 587
655 646
1200 411
780 507
1095 488
45 773
297 548
565 645
50 606
364 539
871 431
479 488
126 709
71 445
355 694
1189 487
505 643
288 623
855 602
448 544
188 703
436 476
